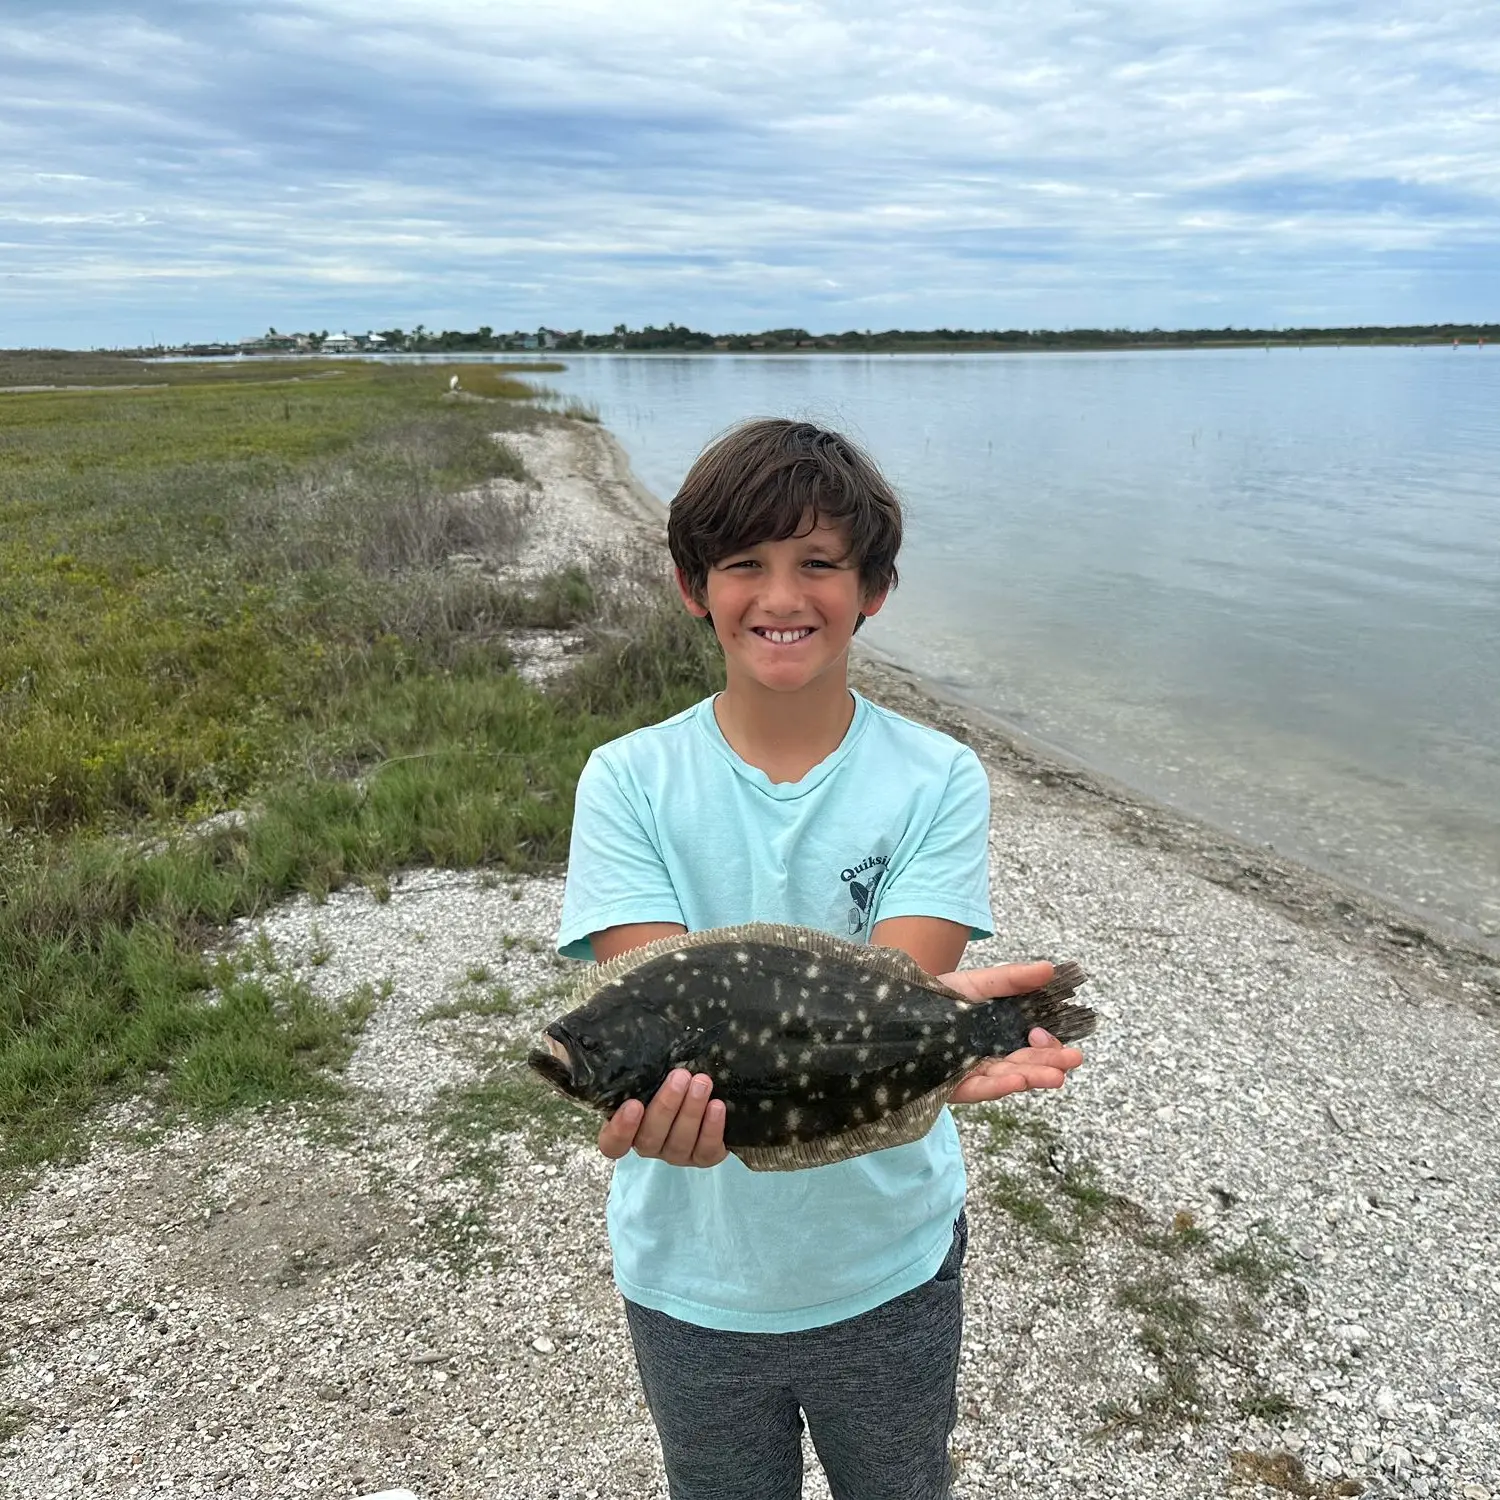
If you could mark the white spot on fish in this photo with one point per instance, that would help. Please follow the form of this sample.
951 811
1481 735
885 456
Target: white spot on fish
858 1115
793 1118
786 1018
927 1031
881 991
781 1060
805 1056
882 1096
803 1080
950 1037
680 956
862 1054
865 1032
765 1106
861 1016
812 971
743 957
911 1067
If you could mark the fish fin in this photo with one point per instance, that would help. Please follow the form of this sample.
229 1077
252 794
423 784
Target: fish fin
890 962
899 1128
1068 1023
1047 1007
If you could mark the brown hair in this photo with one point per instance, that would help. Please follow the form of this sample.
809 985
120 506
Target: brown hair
762 480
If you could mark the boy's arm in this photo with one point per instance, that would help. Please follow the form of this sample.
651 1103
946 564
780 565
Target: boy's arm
681 1125
936 944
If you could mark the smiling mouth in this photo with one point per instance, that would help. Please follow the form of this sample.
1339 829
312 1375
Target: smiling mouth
783 637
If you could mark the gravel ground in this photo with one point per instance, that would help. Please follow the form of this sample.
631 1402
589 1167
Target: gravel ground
1251 1249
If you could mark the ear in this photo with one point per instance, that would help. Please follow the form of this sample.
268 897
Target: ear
874 603
694 605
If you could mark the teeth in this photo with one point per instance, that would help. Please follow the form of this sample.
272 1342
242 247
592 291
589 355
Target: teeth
785 637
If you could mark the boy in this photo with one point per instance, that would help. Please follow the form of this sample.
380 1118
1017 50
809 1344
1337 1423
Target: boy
755 1299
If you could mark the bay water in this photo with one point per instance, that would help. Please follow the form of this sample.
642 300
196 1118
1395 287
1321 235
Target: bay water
1261 586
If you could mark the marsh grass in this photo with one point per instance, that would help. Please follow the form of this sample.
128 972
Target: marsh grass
1191 1300
217 598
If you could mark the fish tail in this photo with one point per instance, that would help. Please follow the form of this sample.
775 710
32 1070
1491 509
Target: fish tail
1004 1024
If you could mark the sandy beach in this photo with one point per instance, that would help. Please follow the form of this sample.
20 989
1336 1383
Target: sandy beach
1251 1249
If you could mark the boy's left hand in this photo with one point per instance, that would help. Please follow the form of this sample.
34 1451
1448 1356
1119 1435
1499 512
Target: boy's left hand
1045 1064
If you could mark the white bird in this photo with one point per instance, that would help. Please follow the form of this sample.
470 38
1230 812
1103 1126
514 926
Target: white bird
453 382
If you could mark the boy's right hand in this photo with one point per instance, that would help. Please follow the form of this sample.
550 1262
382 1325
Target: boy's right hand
681 1125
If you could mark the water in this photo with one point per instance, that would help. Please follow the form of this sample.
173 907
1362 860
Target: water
1263 587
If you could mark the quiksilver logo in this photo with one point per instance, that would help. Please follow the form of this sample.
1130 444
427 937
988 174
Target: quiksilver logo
862 891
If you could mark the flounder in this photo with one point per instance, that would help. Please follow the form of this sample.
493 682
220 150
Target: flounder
820 1049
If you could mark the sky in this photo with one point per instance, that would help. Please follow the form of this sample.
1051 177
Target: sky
181 170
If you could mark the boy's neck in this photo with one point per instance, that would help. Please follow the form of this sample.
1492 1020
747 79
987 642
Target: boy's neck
785 734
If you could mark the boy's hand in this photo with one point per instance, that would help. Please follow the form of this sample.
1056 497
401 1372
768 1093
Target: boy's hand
681 1125
1045 1064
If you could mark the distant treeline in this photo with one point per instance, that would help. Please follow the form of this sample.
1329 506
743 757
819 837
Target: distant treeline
675 336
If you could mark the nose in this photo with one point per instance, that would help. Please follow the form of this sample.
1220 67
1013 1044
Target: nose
782 594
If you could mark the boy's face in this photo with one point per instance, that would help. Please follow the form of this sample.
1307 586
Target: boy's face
785 611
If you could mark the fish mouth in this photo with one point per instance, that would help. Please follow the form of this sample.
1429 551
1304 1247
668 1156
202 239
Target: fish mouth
558 1063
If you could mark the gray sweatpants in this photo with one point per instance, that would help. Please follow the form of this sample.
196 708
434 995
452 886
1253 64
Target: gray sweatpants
879 1392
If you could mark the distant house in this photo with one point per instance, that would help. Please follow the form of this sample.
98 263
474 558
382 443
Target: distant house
340 343
529 341
374 341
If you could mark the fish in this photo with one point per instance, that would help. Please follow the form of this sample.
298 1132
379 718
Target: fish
821 1049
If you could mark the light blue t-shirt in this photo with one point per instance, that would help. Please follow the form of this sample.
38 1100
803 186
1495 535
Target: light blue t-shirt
672 826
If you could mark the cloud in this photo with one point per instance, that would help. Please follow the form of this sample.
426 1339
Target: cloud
203 171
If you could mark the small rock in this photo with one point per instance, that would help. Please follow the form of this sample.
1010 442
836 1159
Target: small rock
1396 1460
1331 1466
1475 1492
543 1345
1385 1404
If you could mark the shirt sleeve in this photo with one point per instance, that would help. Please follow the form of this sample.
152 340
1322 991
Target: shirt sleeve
615 869
948 874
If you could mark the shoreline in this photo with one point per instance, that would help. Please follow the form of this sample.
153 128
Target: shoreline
1310 896
1254 1238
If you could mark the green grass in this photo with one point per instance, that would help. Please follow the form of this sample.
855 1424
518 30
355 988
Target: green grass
15 1418
497 1000
1187 1298
509 1099
235 594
